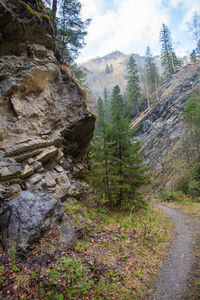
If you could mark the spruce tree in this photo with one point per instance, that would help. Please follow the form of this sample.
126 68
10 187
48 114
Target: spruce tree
116 165
125 172
107 69
169 60
106 105
111 68
105 95
194 27
133 91
194 56
99 170
54 9
71 29
152 75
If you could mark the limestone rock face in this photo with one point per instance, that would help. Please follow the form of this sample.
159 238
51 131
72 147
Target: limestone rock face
45 127
161 127
25 218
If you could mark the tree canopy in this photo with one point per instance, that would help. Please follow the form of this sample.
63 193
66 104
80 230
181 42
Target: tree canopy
169 60
133 91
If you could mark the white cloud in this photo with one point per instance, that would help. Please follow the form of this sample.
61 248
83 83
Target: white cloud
90 8
132 25
191 6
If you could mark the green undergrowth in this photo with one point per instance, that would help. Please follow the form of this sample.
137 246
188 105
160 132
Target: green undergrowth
117 257
131 246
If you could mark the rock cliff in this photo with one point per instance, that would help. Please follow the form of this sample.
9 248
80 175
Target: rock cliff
160 128
45 127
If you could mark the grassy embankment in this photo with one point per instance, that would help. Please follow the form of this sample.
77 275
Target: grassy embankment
117 258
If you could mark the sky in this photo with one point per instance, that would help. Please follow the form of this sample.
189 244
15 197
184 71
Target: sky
131 25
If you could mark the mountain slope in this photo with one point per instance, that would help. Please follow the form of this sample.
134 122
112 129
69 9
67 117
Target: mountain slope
160 128
97 79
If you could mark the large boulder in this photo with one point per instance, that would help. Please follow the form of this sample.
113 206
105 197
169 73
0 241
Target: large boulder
25 218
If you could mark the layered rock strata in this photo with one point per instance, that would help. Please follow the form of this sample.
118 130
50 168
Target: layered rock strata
45 127
161 127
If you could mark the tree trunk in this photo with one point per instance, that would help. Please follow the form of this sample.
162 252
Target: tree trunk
173 66
54 6
147 92
157 97
54 10
107 185
137 107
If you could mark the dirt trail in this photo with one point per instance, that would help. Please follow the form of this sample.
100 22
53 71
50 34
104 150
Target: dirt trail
173 282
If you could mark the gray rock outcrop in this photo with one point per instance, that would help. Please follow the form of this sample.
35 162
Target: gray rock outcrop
45 127
160 128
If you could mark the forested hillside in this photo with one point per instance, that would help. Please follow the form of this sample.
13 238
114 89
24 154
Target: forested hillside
99 77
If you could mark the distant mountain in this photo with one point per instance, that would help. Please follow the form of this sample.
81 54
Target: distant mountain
98 79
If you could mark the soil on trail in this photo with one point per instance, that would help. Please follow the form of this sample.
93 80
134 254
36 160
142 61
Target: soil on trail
174 277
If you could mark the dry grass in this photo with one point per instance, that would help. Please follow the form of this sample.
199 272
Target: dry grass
121 256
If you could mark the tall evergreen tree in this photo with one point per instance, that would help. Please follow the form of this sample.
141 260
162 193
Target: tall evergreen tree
194 27
105 95
99 173
54 7
152 75
133 91
111 68
194 56
116 171
169 60
107 69
106 99
126 173
71 29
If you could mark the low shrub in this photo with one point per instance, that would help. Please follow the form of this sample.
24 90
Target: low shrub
168 196
73 275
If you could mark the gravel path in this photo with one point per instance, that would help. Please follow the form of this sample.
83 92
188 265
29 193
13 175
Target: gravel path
173 282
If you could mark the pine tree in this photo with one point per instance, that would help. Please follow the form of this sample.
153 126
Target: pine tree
71 29
169 60
111 68
54 8
107 69
105 95
80 73
99 176
106 105
193 56
116 171
125 171
194 27
133 92
152 76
